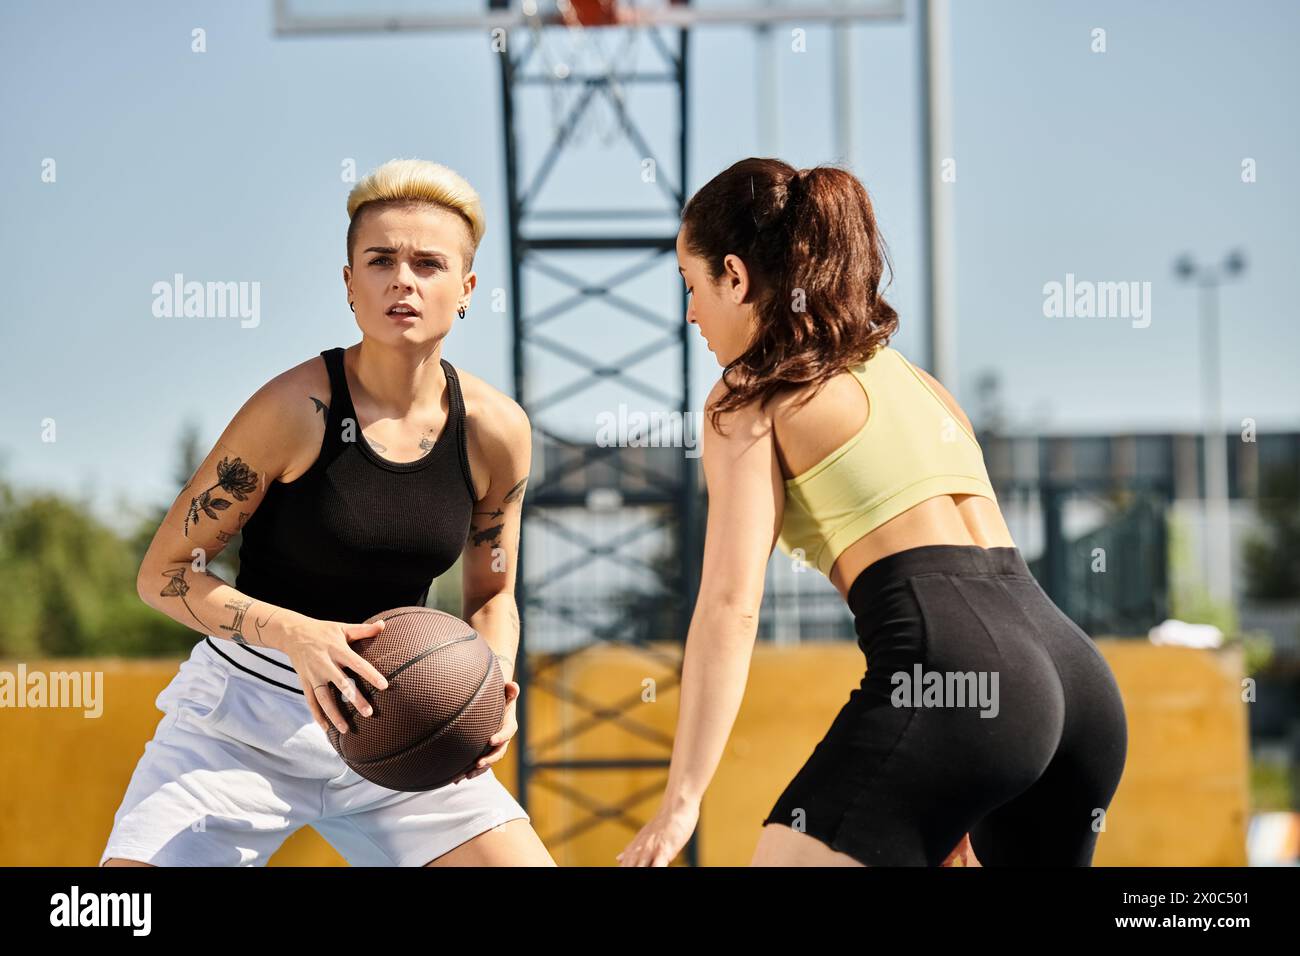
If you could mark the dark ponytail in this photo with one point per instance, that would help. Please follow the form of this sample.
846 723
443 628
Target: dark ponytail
810 242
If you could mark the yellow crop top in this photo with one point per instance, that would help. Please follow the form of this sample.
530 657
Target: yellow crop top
911 448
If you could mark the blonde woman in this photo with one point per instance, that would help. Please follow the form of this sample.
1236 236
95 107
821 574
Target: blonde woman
826 441
356 477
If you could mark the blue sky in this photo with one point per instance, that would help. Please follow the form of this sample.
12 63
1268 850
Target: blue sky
225 166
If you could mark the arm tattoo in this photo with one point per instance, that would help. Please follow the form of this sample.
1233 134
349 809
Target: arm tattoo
177 586
239 606
515 493
261 624
490 535
233 477
321 407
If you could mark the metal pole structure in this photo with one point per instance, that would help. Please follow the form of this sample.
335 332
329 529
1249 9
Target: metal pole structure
769 131
518 368
690 537
1217 536
842 90
1218 549
938 298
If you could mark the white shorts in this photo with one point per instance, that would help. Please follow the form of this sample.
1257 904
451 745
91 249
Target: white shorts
237 764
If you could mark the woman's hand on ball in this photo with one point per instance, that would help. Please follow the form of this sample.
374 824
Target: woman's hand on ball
501 739
319 651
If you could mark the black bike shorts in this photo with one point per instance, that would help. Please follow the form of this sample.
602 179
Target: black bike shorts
984 709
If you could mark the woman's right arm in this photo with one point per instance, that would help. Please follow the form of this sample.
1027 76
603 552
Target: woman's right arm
257 447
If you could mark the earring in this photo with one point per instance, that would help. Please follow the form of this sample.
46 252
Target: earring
352 306
461 312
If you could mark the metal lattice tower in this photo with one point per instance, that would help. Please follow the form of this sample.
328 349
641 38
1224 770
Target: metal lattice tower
663 500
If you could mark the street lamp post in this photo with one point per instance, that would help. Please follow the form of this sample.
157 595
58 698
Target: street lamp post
1217 544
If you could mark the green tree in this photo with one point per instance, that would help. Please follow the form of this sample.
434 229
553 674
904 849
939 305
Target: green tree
1272 554
68 581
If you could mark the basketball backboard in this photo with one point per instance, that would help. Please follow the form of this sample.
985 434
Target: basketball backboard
325 16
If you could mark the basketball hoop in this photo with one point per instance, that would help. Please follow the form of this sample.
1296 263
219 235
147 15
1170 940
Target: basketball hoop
590 13
576 44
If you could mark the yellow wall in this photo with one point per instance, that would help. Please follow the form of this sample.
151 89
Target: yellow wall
1183 799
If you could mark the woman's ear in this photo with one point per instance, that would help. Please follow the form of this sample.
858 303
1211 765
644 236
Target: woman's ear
737 278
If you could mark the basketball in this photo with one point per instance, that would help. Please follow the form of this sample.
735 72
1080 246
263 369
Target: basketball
444 701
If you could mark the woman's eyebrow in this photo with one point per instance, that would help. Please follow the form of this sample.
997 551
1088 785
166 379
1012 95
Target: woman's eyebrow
389 250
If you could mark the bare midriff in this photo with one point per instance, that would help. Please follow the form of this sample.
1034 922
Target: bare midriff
970 520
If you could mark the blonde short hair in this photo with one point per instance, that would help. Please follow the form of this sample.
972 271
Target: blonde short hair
402 182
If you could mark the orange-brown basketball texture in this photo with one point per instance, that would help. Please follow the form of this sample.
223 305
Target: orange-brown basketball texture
445 699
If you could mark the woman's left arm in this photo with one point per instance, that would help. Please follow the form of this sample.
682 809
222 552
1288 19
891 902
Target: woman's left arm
491 553
746 499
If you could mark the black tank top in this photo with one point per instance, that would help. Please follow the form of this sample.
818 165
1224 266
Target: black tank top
357 534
